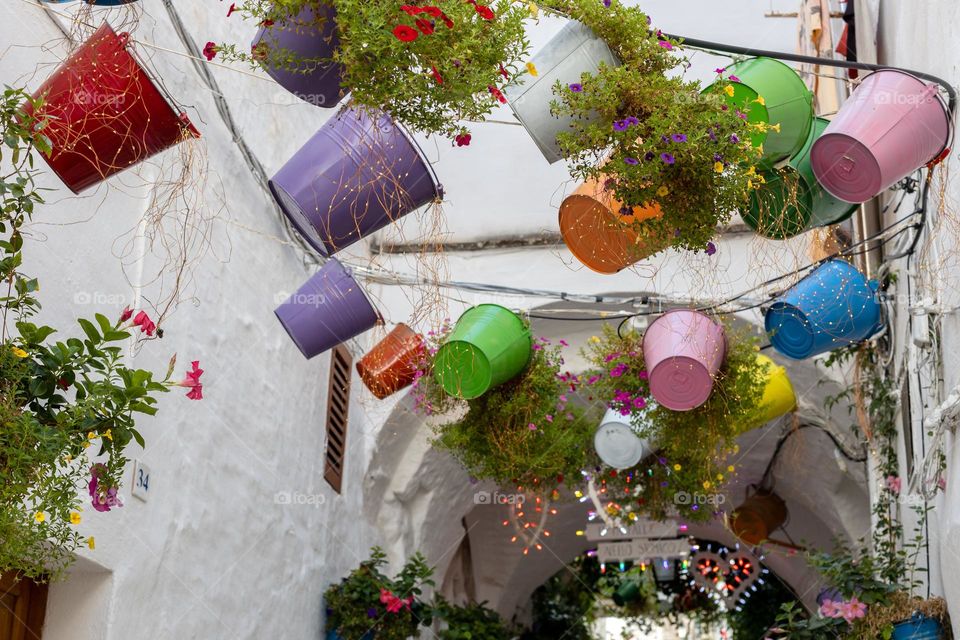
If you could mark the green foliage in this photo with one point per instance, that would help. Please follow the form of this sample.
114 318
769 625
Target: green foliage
431 83
693 445
564 607
57 398
527 431
470 622
653 139
355 607
760 611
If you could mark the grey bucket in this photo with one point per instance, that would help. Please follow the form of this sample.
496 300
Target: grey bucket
573 51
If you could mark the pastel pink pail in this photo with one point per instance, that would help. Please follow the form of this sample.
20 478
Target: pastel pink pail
683 351
893 124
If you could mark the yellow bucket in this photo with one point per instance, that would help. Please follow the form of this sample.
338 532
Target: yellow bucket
778 395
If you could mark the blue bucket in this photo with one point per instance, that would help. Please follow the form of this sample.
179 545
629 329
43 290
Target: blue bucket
918 627
832 307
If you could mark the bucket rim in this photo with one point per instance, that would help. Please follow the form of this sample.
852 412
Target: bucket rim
588 262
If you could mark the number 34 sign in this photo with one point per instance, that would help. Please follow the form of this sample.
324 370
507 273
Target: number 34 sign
141 480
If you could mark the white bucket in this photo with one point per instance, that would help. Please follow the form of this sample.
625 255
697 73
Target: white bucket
617 444
574 50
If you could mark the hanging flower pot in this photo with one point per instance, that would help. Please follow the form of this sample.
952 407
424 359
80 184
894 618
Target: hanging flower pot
393 363
617 444
356 175
628 592
488 346
575 50
772 95
105 112
893 124
328 309
779 397
919 627
792 201
683 351
832 307
309 36
761 514
595 228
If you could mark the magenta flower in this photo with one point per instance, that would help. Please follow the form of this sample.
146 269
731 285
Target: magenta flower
532 427
666 45
643 375
720 71
101 500
618 370
667 158
733 78
639 402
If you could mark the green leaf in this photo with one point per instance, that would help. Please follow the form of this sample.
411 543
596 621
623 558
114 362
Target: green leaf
89 329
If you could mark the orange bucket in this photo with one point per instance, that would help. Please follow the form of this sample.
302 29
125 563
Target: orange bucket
598 236
392 364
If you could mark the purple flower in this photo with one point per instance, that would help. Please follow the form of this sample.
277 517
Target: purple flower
664 138
717 157
712 134
620 125
650 155
576 87
625 211
741 115
372 613
711 248
631 121
734 138
101 500
630 160
667 158
606 3
733 78
679 137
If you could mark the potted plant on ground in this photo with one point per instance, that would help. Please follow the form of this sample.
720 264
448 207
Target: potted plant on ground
430 66
473 621
650 139
367 604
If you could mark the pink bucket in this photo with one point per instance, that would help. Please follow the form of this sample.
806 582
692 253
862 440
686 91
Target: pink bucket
683 351
893 124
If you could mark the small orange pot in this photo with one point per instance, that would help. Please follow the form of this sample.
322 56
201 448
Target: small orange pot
598 236
392 364
760 515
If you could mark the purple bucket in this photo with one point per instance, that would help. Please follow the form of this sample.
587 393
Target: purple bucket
354 176
893 124
310 35
328 309
683 351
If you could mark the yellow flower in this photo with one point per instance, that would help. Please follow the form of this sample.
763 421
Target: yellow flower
68 458
760 149
594 339
752 171
74 518
108 434
775 127
91 543
20 353
86 443
91 435
39 516
662 191
718 167
729 90
761 101
677 467
719 477
532 68
749 184
706 484
730 468
534 11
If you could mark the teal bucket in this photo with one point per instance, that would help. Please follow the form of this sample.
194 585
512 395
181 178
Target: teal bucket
919 627
833 307
627 593
489 346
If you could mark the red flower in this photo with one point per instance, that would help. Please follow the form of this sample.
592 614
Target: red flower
210 51
497 94
126 315
267 23
504 73
405 33
433 11
485 12
410 9
63 384
192 381
446 20
259 51
145 323
463 139
233 7
436 75
425 26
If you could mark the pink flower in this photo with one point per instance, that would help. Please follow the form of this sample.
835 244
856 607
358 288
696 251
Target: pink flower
942 483
894 484
210 51
532 427
853 609
830 609
618 370
642 375
564 343
143 321
192 382
101 500
126 315
666 45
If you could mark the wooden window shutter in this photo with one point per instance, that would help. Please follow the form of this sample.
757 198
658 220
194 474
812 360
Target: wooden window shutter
338 405
23 606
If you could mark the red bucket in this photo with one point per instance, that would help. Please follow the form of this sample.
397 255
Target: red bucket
105 112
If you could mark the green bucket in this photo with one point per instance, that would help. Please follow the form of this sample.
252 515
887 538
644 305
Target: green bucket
627 593
787 102
792 201
488 346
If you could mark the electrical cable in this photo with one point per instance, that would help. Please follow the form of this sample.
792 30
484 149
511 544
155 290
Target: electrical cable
767 474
